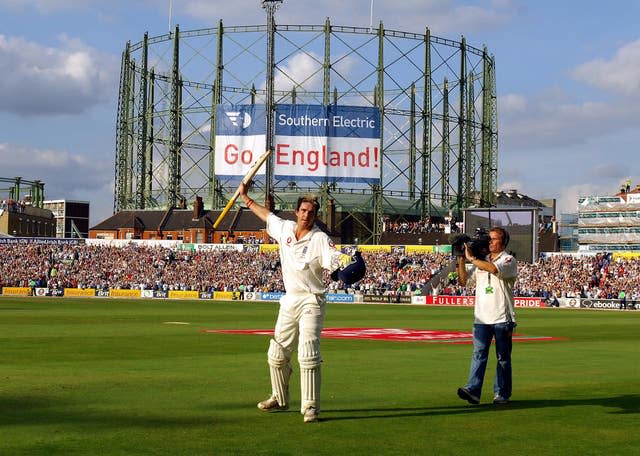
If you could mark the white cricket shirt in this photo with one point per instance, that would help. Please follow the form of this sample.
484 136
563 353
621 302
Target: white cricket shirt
303 260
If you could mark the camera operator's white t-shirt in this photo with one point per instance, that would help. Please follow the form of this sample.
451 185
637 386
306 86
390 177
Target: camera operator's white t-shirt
494 292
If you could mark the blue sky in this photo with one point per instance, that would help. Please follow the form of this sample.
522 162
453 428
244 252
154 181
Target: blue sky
568 77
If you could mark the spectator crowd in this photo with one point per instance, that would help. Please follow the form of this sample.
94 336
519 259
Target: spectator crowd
426 225
138 266
568 276
12 206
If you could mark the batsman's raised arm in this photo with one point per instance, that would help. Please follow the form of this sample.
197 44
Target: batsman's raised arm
261 211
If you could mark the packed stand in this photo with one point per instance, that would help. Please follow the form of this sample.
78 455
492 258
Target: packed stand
422 226
568 276
157 268
136 266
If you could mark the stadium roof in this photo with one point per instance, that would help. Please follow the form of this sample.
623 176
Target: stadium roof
356 201
513 198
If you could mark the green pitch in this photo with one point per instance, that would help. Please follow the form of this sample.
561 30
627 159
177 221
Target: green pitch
112 377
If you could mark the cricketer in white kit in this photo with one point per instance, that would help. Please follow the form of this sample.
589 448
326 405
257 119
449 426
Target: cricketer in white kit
305 251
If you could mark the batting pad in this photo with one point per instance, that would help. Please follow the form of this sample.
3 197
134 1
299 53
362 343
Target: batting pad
309 359
309 389
309 355
277 355
280 371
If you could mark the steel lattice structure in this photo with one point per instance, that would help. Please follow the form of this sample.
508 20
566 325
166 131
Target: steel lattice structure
18 188
437 99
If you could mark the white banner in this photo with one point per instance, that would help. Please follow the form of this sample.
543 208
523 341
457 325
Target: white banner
347 159
327 143
236 154
240 138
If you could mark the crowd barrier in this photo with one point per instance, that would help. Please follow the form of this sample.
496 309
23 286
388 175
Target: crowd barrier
439 300
165 294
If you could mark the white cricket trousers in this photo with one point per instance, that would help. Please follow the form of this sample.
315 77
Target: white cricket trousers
300 322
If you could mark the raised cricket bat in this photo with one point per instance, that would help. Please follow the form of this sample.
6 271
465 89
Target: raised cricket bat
245 180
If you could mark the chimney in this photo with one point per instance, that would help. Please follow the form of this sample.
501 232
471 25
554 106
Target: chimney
331 222
197 208
270 202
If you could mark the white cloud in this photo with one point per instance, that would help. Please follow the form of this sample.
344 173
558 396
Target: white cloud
512 104
510 185
609 171
536 122
44 6
302 68
68 79
620 74
409 15
210 12
65 175
566 195
568 200
441 16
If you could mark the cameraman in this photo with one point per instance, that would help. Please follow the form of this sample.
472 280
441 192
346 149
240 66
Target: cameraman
494 277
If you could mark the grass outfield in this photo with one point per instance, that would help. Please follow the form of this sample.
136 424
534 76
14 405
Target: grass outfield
106 376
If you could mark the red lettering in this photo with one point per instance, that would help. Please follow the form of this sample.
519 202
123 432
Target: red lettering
334 158
247 157
316 160
363 158
349 156
298 154
312 159
281 154
231 154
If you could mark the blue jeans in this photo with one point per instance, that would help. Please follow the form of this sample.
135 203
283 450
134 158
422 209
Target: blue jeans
482 335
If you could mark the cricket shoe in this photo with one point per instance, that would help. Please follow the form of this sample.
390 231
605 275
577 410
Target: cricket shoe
271 405
311 415
465 394
499 400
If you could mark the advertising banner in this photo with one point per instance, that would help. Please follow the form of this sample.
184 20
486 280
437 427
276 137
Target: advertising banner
270 295
251 296
375 248
46 241
443 300
225 295
218 247
180 294
49 292
264 248
420 249
79 292
42 292
119 293
16 291
625 255
321 143
340 297
594 303
240 138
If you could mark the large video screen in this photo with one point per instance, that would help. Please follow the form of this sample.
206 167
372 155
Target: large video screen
521 224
